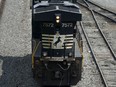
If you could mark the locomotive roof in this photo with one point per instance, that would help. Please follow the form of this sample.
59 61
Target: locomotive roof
45 11
44 6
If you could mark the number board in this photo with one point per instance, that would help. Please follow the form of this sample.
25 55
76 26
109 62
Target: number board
51 25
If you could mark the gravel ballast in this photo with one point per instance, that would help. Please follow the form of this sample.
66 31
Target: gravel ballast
15 49
108 4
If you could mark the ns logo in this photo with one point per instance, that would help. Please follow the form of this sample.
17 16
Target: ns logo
58 41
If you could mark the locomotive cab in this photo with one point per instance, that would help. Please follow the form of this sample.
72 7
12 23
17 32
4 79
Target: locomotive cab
56 54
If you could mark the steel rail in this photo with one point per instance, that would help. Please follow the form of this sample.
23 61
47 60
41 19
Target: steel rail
90 47
93 55
86 1
114 20
100 7
102 34
82 4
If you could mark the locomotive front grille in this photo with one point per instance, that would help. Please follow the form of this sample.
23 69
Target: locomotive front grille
57 41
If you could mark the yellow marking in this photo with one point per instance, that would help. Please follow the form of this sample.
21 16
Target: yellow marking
35 49
34 44
81 51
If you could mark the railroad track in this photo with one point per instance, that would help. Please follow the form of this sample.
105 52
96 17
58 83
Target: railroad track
99 10
102 11
98 27
102 53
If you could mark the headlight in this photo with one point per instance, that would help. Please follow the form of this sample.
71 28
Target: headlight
44 54
57 21
57 17
70 54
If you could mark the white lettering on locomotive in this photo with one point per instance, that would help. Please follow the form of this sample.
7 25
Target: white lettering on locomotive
67 24
48 25
63 25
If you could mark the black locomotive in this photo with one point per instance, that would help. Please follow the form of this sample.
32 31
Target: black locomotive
56 42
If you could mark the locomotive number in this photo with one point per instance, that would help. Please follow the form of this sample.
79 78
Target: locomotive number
64 25
48 25
67 24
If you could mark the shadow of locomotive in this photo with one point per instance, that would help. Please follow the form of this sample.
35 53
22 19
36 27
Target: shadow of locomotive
16 72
